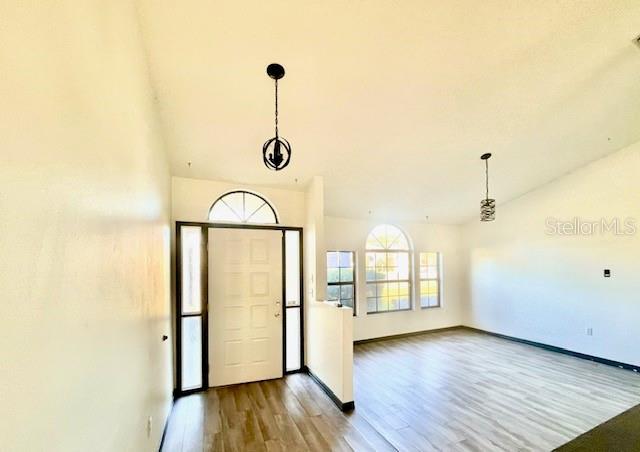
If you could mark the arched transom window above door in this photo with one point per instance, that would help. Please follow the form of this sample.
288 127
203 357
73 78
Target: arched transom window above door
243 207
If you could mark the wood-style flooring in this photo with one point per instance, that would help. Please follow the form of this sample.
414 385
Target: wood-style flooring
457 390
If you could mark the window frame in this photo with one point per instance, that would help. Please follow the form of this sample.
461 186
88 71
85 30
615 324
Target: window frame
241 221
410 275
438 279
204 272
344 283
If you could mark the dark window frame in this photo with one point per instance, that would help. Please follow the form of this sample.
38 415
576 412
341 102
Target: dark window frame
204 274
345 283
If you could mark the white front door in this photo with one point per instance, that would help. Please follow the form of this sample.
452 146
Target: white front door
245 305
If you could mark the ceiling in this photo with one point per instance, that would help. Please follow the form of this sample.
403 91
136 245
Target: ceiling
393 102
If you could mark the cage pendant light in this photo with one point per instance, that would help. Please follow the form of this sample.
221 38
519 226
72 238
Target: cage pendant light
487 205
276 151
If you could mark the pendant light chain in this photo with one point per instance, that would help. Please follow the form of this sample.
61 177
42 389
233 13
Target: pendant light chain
486 174
276 108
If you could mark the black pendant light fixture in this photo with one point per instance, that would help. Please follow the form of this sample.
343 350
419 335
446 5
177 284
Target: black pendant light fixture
276 151
487 205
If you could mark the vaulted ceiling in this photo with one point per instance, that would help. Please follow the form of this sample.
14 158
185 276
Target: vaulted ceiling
393 102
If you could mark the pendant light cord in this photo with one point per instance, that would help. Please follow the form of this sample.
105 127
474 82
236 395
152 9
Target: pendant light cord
276 108
486 173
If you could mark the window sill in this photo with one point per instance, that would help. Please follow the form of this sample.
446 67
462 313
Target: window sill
430 307
393 310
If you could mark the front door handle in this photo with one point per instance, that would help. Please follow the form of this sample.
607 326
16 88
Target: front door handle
277 314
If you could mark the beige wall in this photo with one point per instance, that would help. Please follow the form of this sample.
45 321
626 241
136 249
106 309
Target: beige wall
84 196
550 288
350 235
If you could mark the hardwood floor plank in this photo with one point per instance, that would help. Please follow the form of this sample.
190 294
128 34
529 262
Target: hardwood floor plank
455 390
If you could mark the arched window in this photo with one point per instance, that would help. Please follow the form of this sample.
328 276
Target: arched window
388 270
242 207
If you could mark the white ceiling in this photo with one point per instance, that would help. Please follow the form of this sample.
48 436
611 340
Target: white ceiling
394 101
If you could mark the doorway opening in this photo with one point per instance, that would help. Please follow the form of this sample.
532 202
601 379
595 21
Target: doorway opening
239 303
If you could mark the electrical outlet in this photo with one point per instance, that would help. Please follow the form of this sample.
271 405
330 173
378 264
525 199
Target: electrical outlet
149 426
589 331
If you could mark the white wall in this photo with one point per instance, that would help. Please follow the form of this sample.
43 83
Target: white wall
84 227
314 241
330 347
192 199
350 235
329 329
550 288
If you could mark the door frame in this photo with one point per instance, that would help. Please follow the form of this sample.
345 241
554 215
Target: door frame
204 312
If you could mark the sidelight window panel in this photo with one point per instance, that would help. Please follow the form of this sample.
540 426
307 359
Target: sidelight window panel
191 243
190 308
292 256
293 320
191 352
293 339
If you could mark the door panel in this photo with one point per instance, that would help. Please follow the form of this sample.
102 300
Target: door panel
245 295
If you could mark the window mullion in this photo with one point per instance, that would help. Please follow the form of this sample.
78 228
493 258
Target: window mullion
236 209
389 241
334 263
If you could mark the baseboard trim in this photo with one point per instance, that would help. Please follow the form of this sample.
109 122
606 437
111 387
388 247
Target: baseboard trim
343 406
403 335
556 349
